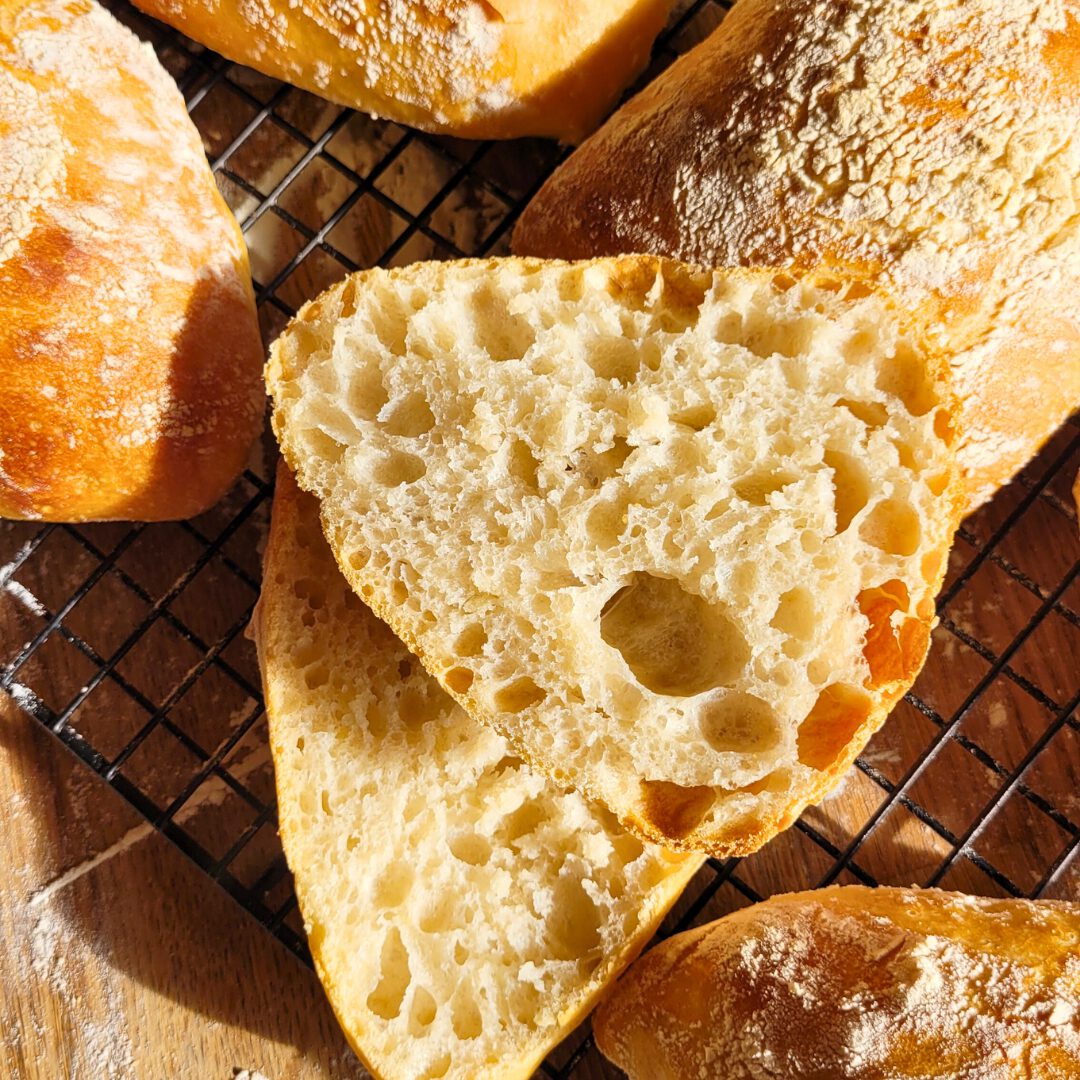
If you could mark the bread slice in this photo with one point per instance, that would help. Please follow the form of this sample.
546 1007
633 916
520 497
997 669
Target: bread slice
851 983
463 911
675 533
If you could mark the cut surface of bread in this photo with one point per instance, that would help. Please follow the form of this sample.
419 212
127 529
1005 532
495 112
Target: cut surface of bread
463 911
675 533
482 69
927 145
130 349
851 983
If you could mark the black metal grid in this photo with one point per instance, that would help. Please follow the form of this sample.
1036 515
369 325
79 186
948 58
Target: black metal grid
950 793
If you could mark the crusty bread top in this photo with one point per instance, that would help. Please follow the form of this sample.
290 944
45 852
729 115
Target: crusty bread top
851 983
463 911
129 346
931 145
676 533
476 68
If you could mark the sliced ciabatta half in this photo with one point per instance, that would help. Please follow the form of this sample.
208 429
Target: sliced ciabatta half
463 911
675 533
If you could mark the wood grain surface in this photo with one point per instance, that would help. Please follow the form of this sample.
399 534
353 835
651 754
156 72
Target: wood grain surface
122 960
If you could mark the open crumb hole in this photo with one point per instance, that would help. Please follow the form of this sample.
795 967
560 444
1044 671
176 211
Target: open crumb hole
458 679
892 526
470 641
905 376
574 929
826 733
757 487
422 1010
851 486
394 977
675 810
872 413
739 723
367 394
465 1017
395 469
470 848
392 885
496 331
408 417
894 648
518 695
522 465
796 617
614 358
695 417
674 642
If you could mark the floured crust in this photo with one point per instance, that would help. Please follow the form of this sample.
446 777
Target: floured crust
405 821
475 68
605 507
129 346
850 983
928 146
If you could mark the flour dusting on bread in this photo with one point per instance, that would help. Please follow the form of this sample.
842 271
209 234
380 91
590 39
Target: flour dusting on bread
463 910
31 162
124 284
473 68
852 982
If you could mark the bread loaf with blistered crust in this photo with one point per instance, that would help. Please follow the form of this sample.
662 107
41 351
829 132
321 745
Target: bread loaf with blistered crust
675 533
129 345
851 983
464 913
930 147
480 69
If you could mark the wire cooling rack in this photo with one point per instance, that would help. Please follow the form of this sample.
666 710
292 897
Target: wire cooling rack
130 638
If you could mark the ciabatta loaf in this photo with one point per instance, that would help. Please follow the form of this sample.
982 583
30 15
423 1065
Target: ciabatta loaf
482 69
129 346
927 144
857 984
463 911
675 533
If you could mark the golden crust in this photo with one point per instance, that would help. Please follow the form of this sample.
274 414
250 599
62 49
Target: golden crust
273 625
129 345
481 69
662 816
850 982
784 140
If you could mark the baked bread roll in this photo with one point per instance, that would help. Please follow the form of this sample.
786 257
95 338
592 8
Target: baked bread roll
674 533
463 912
482 69
853 983
129 346
928 147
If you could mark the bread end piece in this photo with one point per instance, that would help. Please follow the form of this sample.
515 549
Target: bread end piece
129 345
850 982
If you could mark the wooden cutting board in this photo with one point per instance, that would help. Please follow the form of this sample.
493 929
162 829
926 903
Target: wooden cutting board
121 960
